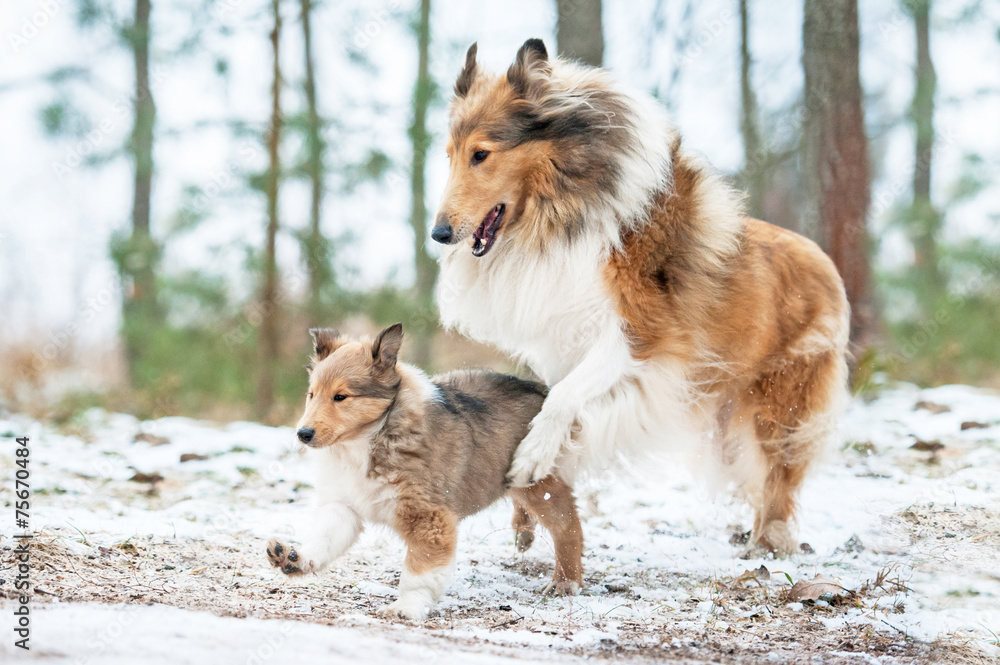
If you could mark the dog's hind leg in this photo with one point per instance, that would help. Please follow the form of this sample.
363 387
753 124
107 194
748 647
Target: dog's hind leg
551 501
523 523
796 406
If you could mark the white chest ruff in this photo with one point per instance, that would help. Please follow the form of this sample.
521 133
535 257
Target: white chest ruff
342 477
540 309
548 312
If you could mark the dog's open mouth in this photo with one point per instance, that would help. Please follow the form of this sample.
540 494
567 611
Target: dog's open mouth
486 234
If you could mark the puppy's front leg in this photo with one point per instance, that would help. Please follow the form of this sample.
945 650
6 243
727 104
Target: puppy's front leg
430 535
337 528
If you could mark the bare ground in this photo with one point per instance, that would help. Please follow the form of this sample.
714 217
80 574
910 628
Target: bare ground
759 625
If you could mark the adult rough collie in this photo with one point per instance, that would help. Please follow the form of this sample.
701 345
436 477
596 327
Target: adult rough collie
586 240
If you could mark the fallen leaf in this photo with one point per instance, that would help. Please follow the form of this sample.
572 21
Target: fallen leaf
972 424
762 574
151 439
193 457
150 478
815 588
932 407
927 446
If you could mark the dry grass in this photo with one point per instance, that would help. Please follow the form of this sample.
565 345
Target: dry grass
233 581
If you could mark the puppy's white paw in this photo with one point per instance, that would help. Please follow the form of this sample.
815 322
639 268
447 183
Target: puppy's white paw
536 457
413 609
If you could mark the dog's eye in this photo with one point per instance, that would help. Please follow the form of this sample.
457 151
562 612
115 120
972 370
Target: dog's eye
479 156
339 398
310 394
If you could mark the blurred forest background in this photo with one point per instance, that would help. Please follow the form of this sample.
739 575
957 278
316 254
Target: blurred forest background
189 186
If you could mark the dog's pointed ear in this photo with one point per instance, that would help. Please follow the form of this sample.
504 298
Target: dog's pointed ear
385 350
532 57
325 342
464 81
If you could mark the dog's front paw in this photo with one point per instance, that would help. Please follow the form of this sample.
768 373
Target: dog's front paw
412 609
536 457
285 557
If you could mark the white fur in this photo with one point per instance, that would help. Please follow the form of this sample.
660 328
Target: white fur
336 528
553 311
342 478
418 594
346 499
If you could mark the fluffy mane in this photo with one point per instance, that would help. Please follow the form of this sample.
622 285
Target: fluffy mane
611 147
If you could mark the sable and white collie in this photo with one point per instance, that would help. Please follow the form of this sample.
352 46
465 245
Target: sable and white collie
396 448
584 239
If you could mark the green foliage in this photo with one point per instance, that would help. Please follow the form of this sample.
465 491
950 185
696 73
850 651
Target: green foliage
950 333
974 177
90 13
202 359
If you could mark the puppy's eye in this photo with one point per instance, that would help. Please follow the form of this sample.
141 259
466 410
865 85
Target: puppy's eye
339 398
479 156
310 394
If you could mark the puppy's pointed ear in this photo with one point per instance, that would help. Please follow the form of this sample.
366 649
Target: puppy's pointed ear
464 81
531 59
385 350
325 342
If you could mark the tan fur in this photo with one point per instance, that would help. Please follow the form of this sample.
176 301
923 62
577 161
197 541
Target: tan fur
551 502
506 176
754 315
768 319
429 531
444 444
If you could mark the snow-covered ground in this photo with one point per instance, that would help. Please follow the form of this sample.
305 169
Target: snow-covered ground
127 529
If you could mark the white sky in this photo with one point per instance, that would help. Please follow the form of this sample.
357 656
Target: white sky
54 231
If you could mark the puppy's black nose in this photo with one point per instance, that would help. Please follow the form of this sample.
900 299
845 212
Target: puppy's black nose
306 435
443 233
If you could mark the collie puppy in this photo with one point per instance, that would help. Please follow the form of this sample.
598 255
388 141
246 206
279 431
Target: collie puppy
583 238
394 447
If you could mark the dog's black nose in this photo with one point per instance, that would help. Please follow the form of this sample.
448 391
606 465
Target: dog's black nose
443 233
306 435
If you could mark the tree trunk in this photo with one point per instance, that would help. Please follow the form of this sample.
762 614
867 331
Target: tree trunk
269 288
317 254
579 34
426 267
754 176
140 311
835 151
925 219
